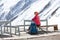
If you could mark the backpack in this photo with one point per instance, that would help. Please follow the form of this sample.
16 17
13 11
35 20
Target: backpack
33 29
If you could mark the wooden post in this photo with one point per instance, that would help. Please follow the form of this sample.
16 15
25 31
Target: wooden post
55 28
47 24
10 30
24 25
1 31
18 31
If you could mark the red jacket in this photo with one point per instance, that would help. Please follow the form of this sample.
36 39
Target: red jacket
36 19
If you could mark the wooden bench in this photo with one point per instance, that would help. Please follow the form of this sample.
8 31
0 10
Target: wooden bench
55 27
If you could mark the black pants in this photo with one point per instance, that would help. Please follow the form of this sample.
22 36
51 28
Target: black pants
38 25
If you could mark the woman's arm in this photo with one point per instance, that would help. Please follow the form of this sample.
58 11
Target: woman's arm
34 18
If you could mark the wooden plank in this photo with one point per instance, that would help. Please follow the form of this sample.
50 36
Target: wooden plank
48 26
29 25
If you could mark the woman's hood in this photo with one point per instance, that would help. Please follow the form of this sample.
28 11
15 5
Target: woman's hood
36 13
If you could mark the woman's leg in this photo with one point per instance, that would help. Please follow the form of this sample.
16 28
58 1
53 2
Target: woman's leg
38 26
28 28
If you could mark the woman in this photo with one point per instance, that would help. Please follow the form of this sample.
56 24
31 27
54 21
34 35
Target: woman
36 19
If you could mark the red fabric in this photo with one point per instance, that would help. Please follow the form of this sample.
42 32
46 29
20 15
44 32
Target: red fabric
36 19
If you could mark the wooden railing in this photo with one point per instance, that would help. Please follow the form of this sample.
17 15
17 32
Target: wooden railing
55 26
31 21
24 25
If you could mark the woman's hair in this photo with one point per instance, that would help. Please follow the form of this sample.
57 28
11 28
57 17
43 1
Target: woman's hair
36 13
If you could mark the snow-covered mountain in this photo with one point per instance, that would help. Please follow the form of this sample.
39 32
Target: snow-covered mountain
17 11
